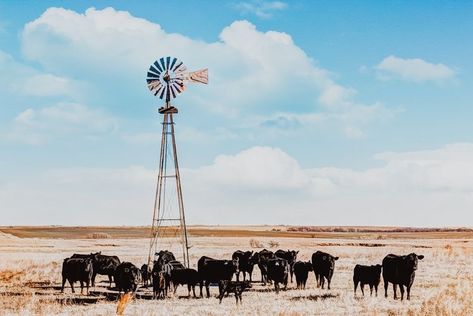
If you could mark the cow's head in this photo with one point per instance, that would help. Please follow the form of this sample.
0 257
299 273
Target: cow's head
308 266
88 265
412 259
236 264
330 260
378 269
254 259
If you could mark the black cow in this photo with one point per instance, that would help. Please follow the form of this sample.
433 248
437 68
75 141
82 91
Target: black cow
159 284
400 270
323 265
104 265
278 271
246 262
127 277
185 276
213 271
77 269
370 275
263 256
237 287
163 257
145 274
301 270
168 268
290 256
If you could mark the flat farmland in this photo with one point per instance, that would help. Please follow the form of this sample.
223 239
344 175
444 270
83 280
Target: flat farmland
31 258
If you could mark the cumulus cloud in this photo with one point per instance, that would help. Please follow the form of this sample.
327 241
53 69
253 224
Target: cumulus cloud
260 185
38 126
249 69
262 9
415 69
18 78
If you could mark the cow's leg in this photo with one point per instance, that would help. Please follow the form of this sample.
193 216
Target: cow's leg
317 279
63 282
276 287
94 274
408 292
87 286
386 284
175 288
193 290
395 290
376 289
329 280
81 287
237 276
355 286
401 287
362 287
110 280
201 284
72 286
207 284
371 289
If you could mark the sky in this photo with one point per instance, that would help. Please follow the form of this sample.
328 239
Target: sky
316 112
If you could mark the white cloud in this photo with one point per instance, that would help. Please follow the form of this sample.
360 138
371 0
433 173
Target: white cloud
259 185
249 69
38 126
415 69
19 78
260 8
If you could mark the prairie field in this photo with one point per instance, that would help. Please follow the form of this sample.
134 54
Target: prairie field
30 272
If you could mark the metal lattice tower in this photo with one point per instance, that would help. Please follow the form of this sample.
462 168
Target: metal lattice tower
166 78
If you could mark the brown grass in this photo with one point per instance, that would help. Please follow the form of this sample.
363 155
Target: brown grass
30 276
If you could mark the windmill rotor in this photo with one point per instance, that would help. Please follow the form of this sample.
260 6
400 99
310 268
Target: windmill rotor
167 78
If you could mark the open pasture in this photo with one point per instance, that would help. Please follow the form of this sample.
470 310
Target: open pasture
30 276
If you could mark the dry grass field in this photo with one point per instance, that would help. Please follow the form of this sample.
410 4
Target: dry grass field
30 272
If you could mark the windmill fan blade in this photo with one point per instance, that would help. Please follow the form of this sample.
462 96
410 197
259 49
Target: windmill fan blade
177 87
153 85
161 61
180 69
163 92
177 66
152 75
172 92
168 60
200 76
172 63
157 66
157 91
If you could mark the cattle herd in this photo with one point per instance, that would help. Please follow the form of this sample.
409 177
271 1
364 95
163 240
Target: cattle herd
277 268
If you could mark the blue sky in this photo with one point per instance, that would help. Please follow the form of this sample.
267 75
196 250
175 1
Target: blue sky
317 112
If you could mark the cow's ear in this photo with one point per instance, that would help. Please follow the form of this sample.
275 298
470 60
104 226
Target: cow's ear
335 258
420 257
324 258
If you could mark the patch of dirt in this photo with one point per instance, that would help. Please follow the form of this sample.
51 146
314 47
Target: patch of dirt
8 275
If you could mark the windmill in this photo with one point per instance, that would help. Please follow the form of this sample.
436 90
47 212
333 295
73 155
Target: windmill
166 79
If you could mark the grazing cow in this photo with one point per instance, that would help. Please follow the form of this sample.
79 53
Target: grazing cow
104 265
370 275
324 265
237 287
77 269
400 270
127 277
246 262
159 284
290 256
145 274
185 276
278 271
213 271
301 270
263 257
